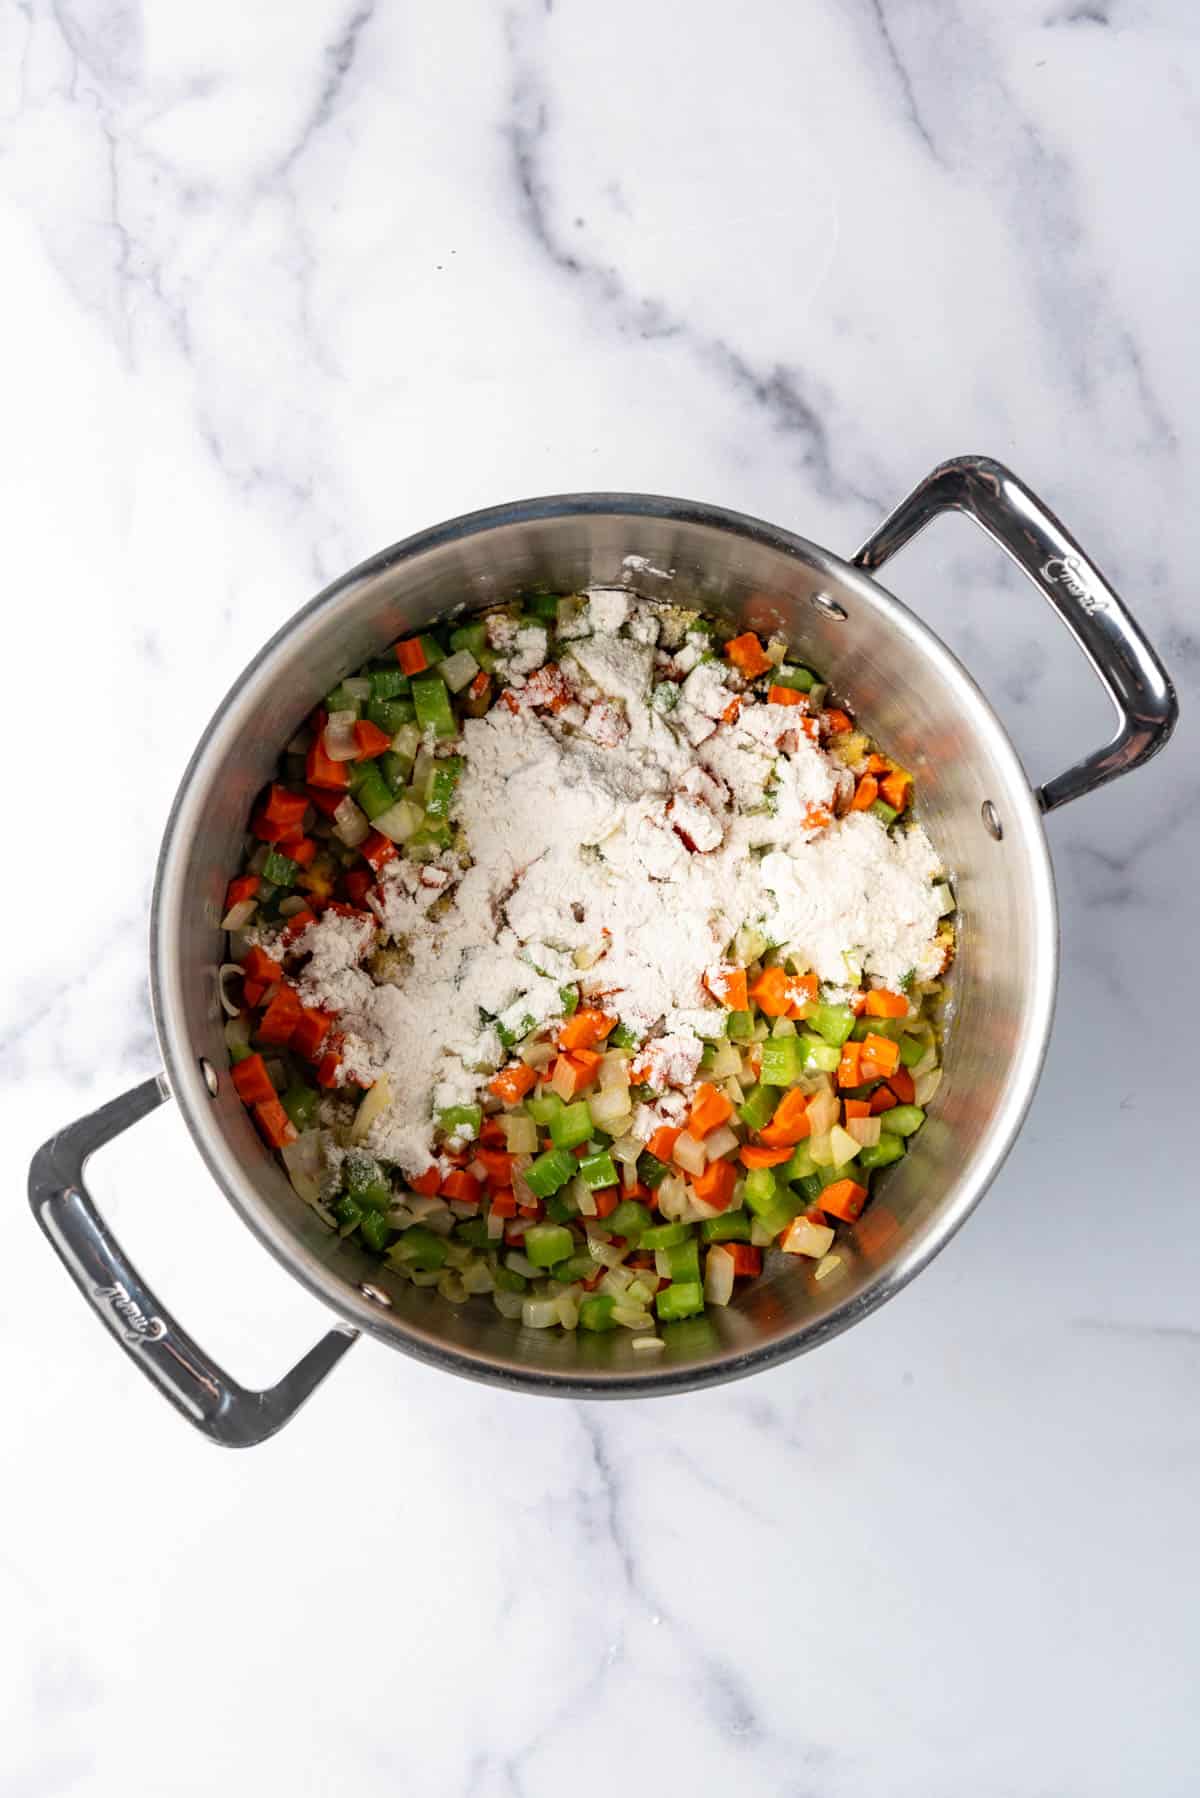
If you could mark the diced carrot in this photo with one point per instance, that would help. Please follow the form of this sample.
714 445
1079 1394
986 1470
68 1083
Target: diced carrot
607 1199
715 1185
280 1018
752 1155
881 1003
411 656
258 965
790 1122
251 1081
580 1065
732 711
803 989
275 1124
771 992
491 1134
266 830
844 1199
817 817
709 1109
857 1003
902 1084
728 985
662 1143
479 685
496 1163
836 722
513 1082
369 740
327 1068
747 1260
428 1183
254 992
378 849
284 807
325 802
302 850
865 794
882 1099
746 653
310 1032
810 728
856 1108
241 889
880 1057
463 1187
504 1203
587 1027
298 923
784 696
878 764
320 770
849 1067
356 884
639 1191
895 789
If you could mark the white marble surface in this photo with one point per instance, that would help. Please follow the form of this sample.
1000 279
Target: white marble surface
282 284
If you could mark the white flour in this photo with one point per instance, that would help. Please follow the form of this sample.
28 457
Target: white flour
620 848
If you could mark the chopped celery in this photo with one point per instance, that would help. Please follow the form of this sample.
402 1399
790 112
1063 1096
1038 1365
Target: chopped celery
440 787
811 1188
461 1120
683 1300
280 869
474 1232
427 842
395 769
390 714
387 683
571 1126
892 1028
550 1171
882 1153
629 1219
887 814
375 1231
912 1050
431 697
782 1057
666 1236
342 701
683 1260
762 1190
788 675
570 1000
819 1055
420 1248
597 1170
902 1120
833 1022
373 793
801 1164
740 1026
547 1243
544 1109
595 1312
301 1102
621 1038
506 1279
579 1266
542 606
760 1103
651 1171
730 1226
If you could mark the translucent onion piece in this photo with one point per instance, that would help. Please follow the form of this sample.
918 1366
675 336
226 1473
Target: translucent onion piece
237 1032
458 670
865 1131
828 1266
539 1314
407 741
821 1150
632 1317
649 1342
672 1198
567 1308
926 1064
520 1264
302 1160
229 1006
925 1087
803 1237
823 1112
718 1276
535 1054
725 1062
508 1304
614 1071
520 1134
720 1142
607 1254
610 1110
689 1154
399 822
616 1280
842 1146
373 1104
239 915
350 824
450 1286
338 740
626 1149
290 906
358 688
946 900
477 1276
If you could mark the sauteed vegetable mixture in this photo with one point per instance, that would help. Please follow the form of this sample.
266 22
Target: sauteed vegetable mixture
583 952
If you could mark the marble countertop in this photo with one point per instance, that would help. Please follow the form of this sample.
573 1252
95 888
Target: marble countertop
282 285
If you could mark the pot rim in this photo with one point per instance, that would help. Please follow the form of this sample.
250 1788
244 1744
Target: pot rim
188 1086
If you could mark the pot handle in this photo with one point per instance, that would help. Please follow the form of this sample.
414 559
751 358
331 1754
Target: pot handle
1136 681
218 1406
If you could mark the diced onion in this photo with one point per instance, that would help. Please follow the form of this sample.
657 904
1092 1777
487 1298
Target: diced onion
626 1149
458 670
946 900
522 1191
520 1133
520 1264
398 823
926 1064
422 767
689 1154
606 1254
239 915
610 1111
407 741
648 1342
450 1286
760 1236
539 1314
827 1266
821 1150
567 1307
358 687
373 1102
477 1276
865 1131
614 1070
725 1061
230 1007
495 1226
823 1112
925 1087
294 903
237 1032
338 740
350 824
720 1142
616 1280
718 1276
672 1198
535 1054
804 1237
302 1159
842 1146
508 1304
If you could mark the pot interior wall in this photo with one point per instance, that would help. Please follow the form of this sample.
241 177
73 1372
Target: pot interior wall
908 692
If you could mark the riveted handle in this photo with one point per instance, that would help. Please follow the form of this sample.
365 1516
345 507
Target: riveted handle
224 1411
1135 679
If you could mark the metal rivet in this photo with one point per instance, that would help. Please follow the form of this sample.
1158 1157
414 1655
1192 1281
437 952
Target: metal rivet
210 1075
991 820
376 1296
829 606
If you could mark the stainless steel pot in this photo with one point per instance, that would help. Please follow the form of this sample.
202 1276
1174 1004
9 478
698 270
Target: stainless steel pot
911 693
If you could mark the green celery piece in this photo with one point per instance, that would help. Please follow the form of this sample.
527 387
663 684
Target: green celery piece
301 1102
811 1188
349 1213
473 1231
542 606
598 1170
570 1000
902 1120
739 1026
782 1059
762 1189
684 1260
462 1120
887 814
434 653
557 1209
912 1050
390 714
629 1219
595 1312
849 1170
882 1153
729 1226
577 1266
431 697
801 1164
789 675
395 769
892 1028
666 1236
505 1279
387 683
621 1038
550 1171
241 1052
366 1181
373 793
420 1248
683 1300
547 1243
440 788
833 1022
543 1109
280 869
819 1055
473 638
428 841
781 1214
375 1231
341 701
571 1126
651 1171
759 1107
707 1056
